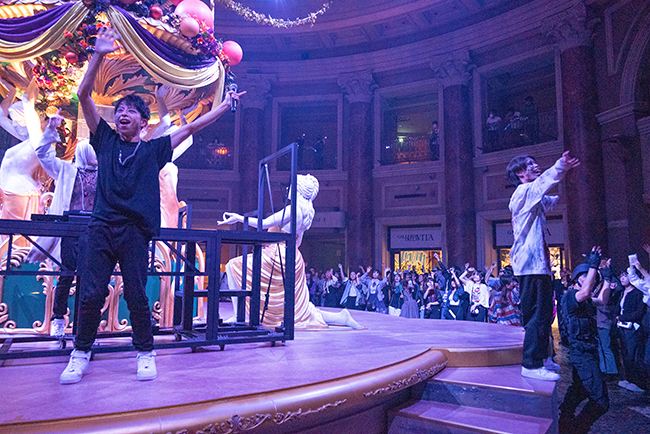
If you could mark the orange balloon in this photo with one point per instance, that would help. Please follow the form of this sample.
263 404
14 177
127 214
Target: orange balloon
233 51
197 10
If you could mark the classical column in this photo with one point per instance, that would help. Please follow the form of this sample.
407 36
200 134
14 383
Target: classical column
358 89
585 185
454 72
252 137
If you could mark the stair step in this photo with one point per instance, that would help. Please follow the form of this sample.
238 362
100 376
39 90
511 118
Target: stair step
435 417
499 388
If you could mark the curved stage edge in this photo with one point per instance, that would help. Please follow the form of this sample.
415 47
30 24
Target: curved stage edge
323 381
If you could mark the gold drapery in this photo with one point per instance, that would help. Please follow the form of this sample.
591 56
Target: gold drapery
160 69
50 40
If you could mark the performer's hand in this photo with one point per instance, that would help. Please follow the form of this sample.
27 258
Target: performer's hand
106 40
229 218
569 162
161 91
594 257
54 121
230 95
606 270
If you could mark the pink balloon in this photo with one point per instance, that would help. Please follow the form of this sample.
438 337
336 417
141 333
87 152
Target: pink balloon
176 2
197 10
233 51
189 27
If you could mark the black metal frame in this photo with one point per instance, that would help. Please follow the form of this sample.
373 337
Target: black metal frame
214 332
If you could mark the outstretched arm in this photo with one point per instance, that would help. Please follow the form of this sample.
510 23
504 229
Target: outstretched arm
280 218
5 122
105 43
178 136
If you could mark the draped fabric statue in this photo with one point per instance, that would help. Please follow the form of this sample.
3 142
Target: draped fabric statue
307 316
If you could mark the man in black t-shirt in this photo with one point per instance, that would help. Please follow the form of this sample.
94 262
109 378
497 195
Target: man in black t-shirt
126 214
579 309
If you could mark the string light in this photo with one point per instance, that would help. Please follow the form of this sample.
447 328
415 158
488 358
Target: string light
251 15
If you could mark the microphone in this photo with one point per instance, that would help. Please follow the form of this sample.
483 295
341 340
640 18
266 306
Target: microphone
233 101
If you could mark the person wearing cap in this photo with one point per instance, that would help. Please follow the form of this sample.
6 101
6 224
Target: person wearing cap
530 257
579 308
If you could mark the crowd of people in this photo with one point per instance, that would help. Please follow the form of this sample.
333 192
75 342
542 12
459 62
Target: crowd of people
452 293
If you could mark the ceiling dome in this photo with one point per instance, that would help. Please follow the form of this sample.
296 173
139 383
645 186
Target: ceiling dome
350 26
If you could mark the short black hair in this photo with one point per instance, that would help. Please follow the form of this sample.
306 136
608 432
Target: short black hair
137 103
517 165
506 279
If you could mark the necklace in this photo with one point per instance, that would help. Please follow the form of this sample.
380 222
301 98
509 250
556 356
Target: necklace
127 158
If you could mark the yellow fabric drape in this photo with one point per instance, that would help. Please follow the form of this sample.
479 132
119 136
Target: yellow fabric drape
160 69
50 40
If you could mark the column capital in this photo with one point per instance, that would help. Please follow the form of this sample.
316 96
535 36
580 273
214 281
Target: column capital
257 87
571 28
358 87
453 69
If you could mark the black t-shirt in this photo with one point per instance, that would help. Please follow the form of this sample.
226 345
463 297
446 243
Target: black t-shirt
580 317
129 192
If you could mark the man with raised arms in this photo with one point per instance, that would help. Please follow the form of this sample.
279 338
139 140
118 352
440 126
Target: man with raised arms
126 214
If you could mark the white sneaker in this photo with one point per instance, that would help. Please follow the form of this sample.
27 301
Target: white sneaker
633 388
147 366
540 374
76 367
623 383
550 365
57 328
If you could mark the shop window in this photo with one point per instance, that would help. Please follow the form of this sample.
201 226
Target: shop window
213 147
410 131
314 126
521 108
421 261
557 256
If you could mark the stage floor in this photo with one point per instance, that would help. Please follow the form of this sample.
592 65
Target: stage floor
32 400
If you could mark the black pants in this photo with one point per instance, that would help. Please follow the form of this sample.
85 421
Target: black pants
588 383
108 245
69 253
537 311
632 357
480 315
351 302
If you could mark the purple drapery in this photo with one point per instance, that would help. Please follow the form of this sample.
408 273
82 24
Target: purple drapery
25 29
166 51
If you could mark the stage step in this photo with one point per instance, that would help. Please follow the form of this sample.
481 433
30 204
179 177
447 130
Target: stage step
487 400
435 417
499 388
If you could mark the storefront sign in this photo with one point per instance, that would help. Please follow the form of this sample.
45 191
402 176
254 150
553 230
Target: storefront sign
415 238
555 233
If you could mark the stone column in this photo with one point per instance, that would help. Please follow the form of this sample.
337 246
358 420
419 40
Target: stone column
454 72
585 185
358 89
252 138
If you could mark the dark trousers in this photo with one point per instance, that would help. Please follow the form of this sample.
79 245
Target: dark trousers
588 383
537 310
69 253
480 314
108 245
631 354
351 302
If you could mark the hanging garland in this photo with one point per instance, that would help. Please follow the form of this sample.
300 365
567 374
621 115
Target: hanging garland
251 15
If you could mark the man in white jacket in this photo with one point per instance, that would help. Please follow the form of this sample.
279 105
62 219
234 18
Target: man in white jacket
530 258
